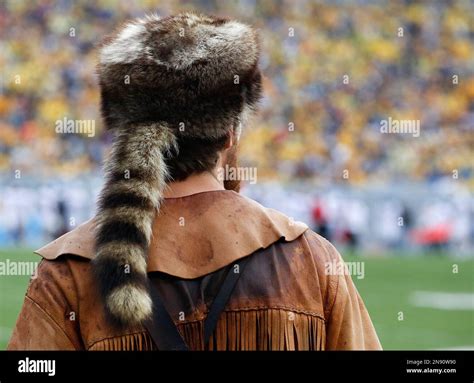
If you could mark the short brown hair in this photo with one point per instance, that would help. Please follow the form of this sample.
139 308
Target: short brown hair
194 156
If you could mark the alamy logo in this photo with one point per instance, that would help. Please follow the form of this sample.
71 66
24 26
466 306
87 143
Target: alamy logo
392 126
9 267
67 126
345 268
230 173
31 366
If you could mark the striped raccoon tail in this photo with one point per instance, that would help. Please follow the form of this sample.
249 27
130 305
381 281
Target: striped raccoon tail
136 176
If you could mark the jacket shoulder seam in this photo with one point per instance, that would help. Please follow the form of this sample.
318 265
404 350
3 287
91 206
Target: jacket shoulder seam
51 318
324 242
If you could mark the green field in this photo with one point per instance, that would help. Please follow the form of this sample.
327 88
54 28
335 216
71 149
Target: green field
387 289
390 282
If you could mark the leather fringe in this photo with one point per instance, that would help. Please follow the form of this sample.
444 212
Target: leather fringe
263 329
130 342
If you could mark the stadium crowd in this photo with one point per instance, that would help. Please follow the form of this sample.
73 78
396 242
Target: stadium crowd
332 74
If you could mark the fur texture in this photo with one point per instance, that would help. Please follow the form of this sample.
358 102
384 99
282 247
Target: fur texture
188 75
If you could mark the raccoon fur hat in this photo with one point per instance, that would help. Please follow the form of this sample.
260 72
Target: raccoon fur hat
187 75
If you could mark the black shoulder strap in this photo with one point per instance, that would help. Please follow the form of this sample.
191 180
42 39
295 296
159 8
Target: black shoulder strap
162 328
222 297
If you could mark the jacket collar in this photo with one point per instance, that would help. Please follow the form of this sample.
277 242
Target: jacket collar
196 234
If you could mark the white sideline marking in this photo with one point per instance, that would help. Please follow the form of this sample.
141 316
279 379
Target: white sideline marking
442 300
455 348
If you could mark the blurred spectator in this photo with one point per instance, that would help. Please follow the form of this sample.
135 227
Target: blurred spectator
332 73
320 220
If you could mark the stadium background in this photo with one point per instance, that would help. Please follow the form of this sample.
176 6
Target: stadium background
400 204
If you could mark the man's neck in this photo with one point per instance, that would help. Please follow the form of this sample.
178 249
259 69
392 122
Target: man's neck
196 183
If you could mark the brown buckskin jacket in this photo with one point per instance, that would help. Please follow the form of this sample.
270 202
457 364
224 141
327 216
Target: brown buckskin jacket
284 300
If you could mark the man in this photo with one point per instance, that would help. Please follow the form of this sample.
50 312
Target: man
173 241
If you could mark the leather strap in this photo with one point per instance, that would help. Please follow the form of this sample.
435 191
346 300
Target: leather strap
162 329
222 297
164 332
